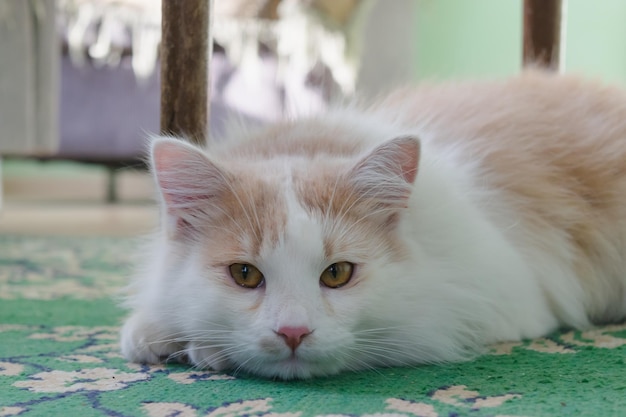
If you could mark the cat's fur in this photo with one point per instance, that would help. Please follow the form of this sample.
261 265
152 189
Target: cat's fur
474 213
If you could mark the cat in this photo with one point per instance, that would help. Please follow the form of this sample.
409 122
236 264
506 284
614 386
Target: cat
416 230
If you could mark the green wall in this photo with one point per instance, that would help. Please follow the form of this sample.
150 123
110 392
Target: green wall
596 38
470 38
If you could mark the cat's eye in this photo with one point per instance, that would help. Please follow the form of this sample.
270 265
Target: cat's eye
337 275
246 275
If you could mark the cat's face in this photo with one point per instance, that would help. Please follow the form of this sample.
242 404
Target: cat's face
281 265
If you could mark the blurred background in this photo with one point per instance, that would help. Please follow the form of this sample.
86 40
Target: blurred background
79 83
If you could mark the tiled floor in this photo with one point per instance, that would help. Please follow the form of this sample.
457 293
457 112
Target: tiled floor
49 201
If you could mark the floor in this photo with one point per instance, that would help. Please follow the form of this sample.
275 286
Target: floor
70 199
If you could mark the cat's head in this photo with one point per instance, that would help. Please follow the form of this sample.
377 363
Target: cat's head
280 263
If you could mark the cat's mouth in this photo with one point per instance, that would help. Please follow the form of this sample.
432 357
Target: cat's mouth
293 359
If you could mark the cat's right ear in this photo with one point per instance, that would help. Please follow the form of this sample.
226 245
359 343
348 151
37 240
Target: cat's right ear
187 179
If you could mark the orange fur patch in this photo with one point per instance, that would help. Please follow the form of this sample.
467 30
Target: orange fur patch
353 223
555 149
251 214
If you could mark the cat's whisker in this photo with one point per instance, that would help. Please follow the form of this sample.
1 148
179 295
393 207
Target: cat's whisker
206 336
244 209
258 226
241 366
223 353
343 210
176 356
362 364
371 213
383 355
417 353
183 334
214 325
228 232
383 329
331 201
226 214
214 329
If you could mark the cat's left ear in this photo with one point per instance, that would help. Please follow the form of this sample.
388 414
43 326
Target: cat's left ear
388 172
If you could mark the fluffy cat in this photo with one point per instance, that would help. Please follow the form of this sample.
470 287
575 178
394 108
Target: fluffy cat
417 230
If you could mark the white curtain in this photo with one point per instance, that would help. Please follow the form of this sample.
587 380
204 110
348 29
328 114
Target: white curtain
29 77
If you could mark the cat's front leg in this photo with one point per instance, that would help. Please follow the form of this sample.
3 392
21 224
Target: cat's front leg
143 341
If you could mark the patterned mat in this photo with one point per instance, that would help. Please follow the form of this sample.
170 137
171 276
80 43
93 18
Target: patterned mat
59 357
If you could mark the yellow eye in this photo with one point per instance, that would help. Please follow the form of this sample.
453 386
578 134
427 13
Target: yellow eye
337 275
246 275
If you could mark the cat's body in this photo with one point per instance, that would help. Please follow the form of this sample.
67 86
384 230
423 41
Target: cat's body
514 225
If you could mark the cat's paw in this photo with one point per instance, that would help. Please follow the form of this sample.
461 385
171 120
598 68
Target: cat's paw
143 342
206 357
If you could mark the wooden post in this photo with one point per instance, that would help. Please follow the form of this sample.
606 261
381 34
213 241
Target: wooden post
542 33
185 49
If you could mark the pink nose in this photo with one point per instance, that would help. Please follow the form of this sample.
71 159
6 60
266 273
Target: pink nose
293 335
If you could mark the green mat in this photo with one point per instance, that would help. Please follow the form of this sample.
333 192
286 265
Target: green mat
59 357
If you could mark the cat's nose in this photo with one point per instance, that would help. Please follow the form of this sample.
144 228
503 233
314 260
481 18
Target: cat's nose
293 335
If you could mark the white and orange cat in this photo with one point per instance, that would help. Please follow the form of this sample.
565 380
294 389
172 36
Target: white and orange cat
418 230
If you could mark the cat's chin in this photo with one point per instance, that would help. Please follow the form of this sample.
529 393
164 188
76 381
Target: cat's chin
283 364
286 369
292 368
